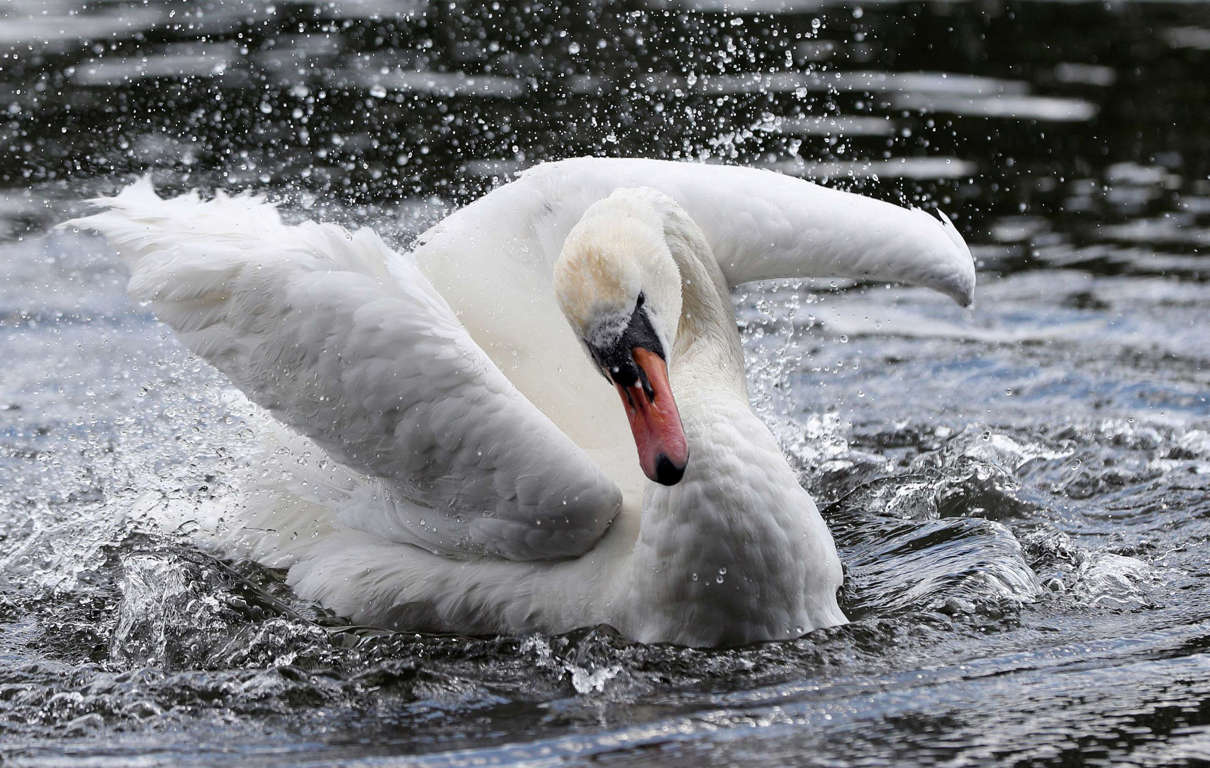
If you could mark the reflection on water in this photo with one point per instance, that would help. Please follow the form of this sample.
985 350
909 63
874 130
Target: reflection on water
1020 494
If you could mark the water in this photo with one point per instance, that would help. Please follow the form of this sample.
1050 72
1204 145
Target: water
1019 493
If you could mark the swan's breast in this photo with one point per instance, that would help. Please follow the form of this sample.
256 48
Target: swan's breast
737 551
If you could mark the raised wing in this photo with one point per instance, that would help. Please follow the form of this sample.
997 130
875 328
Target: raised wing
497 254
760 224
345 341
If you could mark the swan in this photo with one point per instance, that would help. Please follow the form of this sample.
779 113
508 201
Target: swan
447 451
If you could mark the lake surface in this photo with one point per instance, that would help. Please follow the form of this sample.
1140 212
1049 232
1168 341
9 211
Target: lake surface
1019 492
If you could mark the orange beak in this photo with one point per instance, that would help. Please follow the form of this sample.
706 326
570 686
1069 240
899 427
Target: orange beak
655 421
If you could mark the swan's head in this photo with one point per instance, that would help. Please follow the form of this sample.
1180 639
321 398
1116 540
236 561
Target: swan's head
620 290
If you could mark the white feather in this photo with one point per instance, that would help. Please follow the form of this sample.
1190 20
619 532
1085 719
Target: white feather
345 341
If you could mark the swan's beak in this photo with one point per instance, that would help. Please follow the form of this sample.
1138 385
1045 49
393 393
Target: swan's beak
654 419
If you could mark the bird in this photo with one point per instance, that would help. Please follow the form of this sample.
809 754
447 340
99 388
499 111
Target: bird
442 443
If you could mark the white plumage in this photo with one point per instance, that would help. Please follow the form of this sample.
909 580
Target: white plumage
472 471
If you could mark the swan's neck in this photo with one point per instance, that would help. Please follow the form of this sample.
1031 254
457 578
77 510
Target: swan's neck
706 355
735 552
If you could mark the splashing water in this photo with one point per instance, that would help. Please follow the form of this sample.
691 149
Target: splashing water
1019 495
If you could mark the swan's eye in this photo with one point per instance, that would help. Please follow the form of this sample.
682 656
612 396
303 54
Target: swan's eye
626 375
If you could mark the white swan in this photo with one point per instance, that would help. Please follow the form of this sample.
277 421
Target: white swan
484 478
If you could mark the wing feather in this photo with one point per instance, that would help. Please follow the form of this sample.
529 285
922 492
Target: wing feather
760 224
345 341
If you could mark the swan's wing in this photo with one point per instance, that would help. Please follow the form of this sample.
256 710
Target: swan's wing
347 342
498 253
760 224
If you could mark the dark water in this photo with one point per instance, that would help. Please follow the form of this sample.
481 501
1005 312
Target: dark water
1020 494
